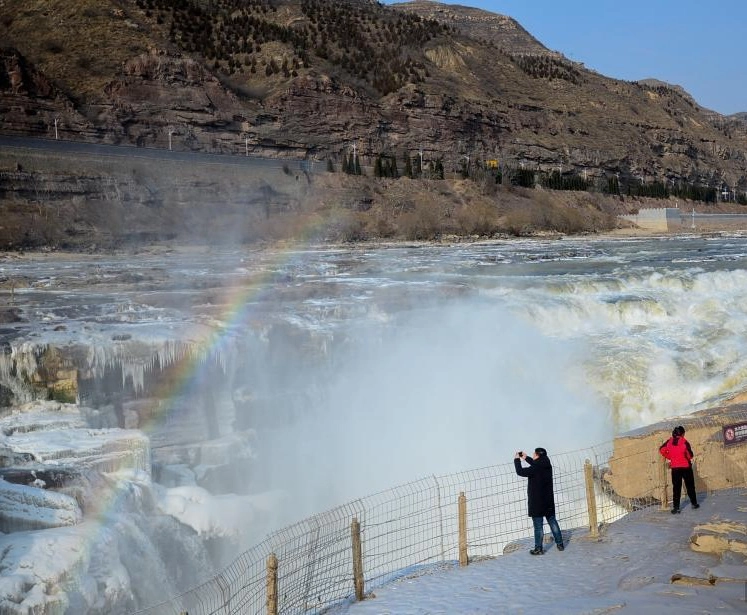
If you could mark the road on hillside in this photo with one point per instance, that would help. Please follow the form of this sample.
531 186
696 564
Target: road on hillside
129 151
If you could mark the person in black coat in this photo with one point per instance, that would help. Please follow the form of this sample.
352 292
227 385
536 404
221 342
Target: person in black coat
540 496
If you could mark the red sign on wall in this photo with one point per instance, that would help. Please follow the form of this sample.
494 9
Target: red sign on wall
734 434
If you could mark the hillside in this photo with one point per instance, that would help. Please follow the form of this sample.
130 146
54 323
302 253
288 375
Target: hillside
80 202
310 78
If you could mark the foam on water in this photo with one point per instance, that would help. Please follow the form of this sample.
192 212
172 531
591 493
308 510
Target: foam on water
658 343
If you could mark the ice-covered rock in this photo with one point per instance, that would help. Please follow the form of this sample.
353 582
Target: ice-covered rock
40 416
99 568
50 434
35 567
25 508
80 529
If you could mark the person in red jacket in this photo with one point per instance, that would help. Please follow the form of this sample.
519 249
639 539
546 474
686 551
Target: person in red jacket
678 452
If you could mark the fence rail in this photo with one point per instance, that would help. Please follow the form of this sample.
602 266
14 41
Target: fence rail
417 524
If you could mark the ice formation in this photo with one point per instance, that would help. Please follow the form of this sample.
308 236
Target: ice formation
25 508
68 540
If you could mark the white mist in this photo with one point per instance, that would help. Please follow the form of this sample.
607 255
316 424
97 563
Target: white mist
439 390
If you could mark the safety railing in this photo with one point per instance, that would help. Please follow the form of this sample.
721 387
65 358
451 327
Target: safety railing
341 554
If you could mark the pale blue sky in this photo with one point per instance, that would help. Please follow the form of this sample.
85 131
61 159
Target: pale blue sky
701 46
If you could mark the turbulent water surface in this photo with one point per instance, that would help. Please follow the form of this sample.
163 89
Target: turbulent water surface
634 329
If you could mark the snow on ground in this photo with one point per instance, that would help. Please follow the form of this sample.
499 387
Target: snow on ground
629 569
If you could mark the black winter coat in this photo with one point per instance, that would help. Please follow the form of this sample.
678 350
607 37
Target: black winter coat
540 497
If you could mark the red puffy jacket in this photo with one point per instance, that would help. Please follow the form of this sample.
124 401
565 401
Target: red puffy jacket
678 451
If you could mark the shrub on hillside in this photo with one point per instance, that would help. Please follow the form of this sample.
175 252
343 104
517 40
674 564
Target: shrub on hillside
544 214
480 218
421 223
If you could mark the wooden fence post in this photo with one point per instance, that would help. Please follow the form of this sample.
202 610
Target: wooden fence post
591 500
272 584
463 558
355 532
664 495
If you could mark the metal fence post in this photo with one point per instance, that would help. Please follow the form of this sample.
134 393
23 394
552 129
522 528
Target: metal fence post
591 500
463 558
355 532
272 584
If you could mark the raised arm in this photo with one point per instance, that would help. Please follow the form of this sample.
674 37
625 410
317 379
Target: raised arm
522 471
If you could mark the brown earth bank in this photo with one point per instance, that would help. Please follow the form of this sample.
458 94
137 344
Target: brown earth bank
62 202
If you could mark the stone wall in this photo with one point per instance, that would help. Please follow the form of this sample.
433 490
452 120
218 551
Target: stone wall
637 473
657 219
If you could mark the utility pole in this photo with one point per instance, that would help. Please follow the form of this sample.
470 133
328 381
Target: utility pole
246 145
171 132
421 160
56 135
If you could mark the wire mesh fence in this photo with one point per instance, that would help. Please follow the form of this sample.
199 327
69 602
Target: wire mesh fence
417 524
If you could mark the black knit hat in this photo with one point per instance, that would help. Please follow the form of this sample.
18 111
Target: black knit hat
678 431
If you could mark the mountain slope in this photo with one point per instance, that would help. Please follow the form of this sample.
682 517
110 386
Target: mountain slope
313 77
500 30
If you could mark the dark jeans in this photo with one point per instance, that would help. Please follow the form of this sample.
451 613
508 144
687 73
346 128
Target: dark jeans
678 475
554 528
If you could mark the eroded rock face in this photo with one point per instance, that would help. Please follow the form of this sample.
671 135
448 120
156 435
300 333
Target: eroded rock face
159 99
28 372
30 104
21 78
158 93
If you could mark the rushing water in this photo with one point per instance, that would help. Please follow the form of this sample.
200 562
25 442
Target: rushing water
365 367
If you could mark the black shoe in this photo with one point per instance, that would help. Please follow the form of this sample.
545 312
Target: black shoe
561 547
675 511
695 506
537 551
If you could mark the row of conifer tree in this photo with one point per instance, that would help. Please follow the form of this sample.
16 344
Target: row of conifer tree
386 166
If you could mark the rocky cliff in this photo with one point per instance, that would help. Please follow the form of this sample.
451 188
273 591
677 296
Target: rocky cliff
313 78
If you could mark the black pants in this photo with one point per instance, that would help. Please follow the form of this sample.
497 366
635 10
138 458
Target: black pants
678 475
